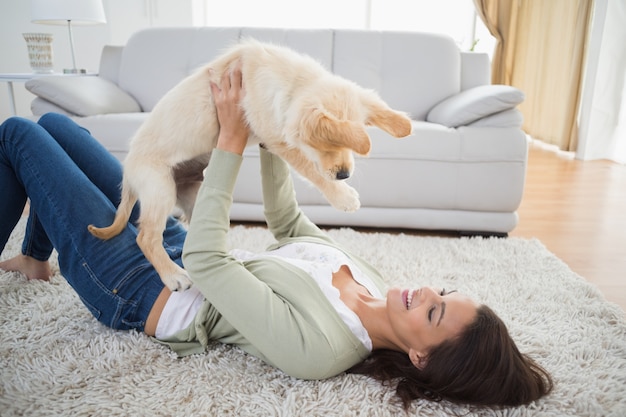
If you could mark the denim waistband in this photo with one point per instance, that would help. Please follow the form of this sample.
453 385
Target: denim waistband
123 302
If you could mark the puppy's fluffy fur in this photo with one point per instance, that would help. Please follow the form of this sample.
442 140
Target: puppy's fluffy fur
298 110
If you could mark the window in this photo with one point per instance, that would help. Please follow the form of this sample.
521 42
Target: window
455 18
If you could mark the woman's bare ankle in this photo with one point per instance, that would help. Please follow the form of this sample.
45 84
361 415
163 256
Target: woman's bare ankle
29 266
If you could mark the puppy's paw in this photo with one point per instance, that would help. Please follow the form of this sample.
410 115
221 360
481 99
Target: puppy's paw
344 198
177 282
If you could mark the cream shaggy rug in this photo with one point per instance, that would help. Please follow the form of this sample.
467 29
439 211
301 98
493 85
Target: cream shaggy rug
57 360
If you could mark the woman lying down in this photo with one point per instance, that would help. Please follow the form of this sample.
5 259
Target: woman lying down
305 306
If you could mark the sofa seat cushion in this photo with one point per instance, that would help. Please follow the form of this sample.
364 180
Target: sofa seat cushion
114 130
431 141
473 169
437 168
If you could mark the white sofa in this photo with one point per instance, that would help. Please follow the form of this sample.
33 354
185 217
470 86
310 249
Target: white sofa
463 169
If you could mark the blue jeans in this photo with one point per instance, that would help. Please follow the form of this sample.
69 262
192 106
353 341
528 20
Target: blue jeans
73 181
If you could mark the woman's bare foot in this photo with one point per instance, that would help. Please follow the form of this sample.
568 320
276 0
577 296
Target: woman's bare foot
31 267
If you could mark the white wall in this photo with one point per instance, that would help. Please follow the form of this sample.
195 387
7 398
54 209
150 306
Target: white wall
15 20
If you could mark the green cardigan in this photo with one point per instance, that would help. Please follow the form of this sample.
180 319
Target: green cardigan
267 307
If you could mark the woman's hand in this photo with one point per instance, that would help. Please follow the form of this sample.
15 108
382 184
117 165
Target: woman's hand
234 129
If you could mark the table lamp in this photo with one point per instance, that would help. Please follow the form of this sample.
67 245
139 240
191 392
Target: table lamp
68 12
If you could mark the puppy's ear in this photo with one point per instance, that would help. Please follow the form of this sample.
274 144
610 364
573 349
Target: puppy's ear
395 123
338 133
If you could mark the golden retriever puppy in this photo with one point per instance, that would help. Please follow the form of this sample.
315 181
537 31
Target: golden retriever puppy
311 118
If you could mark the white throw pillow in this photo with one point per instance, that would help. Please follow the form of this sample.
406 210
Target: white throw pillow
475 103
83 95
40 106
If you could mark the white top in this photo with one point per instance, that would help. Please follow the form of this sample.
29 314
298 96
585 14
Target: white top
317 260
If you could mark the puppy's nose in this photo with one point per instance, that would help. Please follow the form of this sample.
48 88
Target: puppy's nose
342 174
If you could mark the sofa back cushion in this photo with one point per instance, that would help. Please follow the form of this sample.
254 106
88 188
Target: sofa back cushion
155 60
317 43
411 71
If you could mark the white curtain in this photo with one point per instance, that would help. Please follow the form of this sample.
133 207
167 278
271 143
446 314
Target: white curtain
602 116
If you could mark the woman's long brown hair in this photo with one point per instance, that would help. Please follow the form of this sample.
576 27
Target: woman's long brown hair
482 366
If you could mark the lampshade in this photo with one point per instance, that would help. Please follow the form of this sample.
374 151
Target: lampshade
58 12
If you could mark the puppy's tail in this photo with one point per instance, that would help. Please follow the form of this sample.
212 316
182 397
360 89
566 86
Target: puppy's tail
121 217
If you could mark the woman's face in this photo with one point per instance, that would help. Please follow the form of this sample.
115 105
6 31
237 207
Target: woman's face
425 317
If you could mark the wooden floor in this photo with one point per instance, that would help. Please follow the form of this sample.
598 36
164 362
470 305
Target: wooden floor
578 211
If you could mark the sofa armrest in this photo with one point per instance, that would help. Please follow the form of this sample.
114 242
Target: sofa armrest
476 103
475 70
110 62
506 118
83 95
